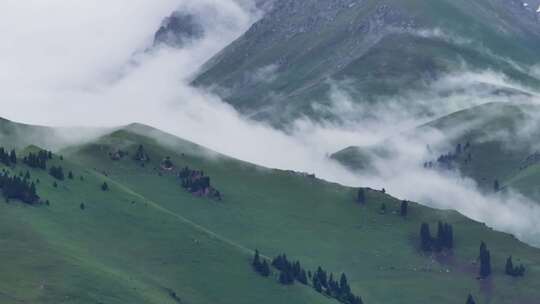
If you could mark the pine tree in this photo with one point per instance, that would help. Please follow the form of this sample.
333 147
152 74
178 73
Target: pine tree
344 287
425 237
82 206
303 277
470 300
404 208
317 284
361 196
70 175
256 261
496 186
516 271
13 157
104 187
264 269
485 261
439 243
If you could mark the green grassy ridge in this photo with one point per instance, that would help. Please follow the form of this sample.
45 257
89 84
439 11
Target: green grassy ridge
119 252
359 44
319 223
499 134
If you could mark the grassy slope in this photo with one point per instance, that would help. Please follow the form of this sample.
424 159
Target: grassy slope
318 223
123 248
500 135
359 45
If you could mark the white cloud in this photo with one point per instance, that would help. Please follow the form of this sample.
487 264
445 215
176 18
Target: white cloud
72 63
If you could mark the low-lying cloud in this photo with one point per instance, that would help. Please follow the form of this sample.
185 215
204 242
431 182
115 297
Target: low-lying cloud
71 63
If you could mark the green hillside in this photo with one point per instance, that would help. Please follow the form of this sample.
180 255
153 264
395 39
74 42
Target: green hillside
380 49
146 237
498 136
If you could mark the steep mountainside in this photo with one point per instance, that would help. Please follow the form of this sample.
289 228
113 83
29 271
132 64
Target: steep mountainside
140 223
289 59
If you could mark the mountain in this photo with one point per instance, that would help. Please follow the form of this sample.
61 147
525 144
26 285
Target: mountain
187 25
124 229
488 143
179 29
375 50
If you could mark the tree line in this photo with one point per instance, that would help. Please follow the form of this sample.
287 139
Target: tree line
443 240
320 280
21 188
8 158
38 160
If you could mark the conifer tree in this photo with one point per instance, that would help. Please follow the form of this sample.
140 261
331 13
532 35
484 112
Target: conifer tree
361 196
256 261
470 300
104 186
13 157
425 237
485 261
404 208
265 269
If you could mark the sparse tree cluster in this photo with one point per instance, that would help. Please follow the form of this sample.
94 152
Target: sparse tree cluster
448 160
141 155
289 271
8 158
443 240
15 187
340 290
514 271
57 172
167 163
261 265
118 154
197 183
321 281
38 160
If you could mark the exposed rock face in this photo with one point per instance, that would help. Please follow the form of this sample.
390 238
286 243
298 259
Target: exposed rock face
179 29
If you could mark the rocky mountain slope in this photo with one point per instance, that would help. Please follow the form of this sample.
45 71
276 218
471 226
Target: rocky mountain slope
289 59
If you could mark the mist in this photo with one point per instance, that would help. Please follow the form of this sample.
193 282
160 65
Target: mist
89 65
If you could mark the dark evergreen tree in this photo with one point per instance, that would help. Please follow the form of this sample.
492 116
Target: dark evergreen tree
57 172
82 206
470 300
516 271
485 261
496 186
404 208
15 187
256 261
344 287
425 237
317 284
383 208
70 175
264 269
361 196
302 278
104 186
13 157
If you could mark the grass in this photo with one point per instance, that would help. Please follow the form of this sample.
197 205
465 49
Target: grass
122 248
318 223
